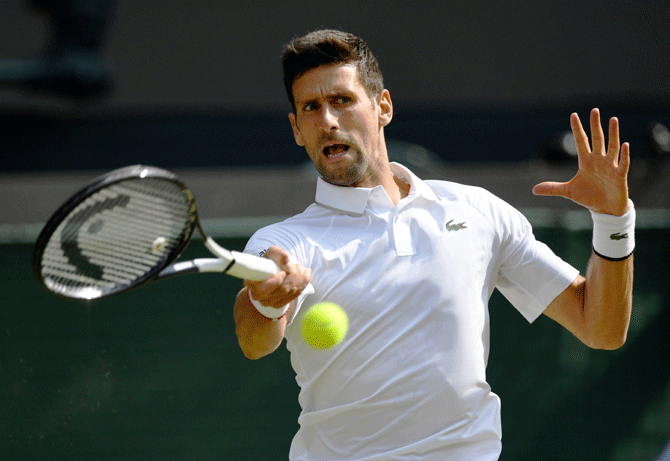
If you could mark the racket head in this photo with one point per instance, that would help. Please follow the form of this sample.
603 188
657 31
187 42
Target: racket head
116 233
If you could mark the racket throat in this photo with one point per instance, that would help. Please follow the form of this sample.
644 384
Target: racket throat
218 250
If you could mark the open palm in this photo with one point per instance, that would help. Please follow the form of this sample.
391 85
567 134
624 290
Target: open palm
601 183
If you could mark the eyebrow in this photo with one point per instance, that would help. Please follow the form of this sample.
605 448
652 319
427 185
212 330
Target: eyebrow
332 95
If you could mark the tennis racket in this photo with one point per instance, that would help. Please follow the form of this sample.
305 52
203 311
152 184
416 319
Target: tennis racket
125 229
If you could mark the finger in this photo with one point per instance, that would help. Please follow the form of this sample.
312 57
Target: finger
597 135
551 188
289 290
614 145
297 280
278 255
265 287
581 140
275 296
624 159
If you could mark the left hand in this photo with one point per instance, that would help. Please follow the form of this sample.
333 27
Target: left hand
601 183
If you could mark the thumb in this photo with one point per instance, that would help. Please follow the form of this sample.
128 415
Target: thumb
550 188
278 255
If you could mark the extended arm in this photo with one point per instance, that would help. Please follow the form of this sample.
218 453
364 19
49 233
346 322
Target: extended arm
597 308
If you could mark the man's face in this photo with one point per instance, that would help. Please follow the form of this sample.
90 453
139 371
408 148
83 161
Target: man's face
340 126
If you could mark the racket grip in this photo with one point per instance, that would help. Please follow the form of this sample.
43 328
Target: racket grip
244 266
250 267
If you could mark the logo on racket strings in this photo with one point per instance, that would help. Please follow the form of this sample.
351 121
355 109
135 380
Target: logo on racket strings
69 236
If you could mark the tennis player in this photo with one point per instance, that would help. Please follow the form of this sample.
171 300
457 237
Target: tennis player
413 263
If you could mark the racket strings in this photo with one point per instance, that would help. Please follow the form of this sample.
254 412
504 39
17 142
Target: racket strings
117 236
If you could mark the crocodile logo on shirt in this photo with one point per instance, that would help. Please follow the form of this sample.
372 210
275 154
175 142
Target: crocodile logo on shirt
618 236
455 227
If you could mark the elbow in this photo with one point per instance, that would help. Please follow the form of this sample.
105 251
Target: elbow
253 336
252 354
607 345
255 347
607 342
255 351
613 344
251 350
248 352
610 330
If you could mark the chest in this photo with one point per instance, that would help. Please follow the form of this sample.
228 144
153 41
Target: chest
424 250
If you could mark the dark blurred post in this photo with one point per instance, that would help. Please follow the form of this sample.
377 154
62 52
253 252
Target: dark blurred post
71 65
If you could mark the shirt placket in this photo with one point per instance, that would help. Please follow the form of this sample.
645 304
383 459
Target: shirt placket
402 236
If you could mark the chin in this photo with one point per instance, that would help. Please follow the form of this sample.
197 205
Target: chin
341 178
347 174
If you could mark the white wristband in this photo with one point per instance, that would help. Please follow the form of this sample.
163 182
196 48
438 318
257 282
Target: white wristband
614 236
267 311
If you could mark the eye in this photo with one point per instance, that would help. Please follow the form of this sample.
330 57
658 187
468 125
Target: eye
309 107
342 100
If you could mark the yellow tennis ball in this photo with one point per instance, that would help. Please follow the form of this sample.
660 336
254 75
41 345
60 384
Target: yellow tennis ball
158 245
324 325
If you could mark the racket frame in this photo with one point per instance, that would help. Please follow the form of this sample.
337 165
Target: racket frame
114 177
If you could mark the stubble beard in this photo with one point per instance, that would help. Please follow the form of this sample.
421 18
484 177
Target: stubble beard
345 175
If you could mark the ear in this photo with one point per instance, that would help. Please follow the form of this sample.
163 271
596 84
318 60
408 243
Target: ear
386 108
296 131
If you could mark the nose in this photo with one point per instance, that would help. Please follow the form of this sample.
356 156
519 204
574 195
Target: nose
329 118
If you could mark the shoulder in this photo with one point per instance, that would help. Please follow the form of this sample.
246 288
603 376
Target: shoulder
476 197
496 211
290 232
300 223
454 190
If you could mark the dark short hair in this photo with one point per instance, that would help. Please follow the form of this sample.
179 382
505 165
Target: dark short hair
330 47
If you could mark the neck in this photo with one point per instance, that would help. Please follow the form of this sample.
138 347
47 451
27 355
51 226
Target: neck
379 173
382 175
394 187
399 190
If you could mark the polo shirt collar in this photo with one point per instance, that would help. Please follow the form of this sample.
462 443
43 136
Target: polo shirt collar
354 200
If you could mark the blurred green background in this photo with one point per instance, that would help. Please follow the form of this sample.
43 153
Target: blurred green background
156 373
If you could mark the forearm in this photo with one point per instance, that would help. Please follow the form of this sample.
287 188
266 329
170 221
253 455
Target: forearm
258 335
597 309
608 295
607 301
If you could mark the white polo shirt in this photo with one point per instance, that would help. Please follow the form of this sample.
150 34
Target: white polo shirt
409 379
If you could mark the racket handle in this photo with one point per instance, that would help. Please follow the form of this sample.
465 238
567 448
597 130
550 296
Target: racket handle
250 267
245 266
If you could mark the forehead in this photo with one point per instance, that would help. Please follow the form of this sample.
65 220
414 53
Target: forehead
325 80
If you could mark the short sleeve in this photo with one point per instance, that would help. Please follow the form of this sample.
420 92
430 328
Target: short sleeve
531 275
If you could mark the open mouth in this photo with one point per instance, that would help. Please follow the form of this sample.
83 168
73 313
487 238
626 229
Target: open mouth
335 151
